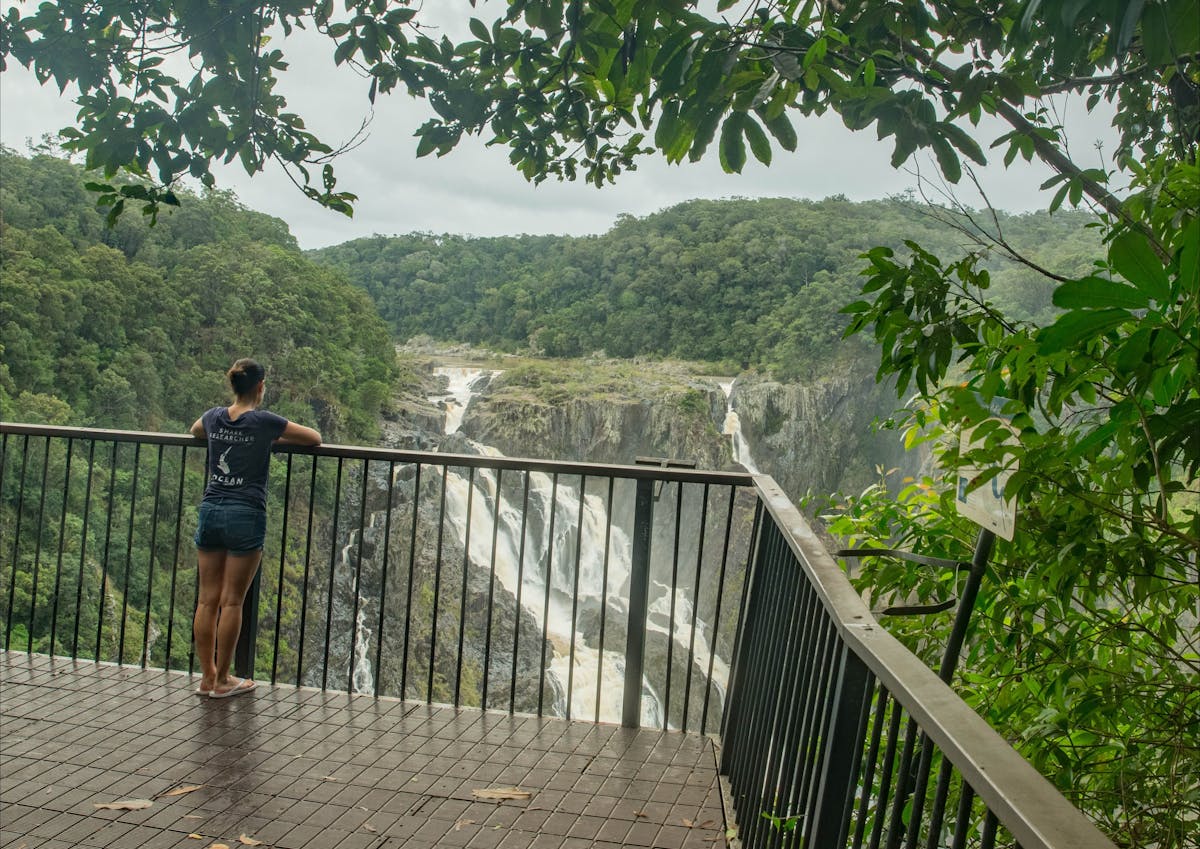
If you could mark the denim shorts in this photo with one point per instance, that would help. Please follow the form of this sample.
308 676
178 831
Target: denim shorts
232 526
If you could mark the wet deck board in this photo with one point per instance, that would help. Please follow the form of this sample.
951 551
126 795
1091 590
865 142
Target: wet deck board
305 769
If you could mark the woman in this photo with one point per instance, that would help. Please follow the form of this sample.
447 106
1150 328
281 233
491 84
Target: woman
233 519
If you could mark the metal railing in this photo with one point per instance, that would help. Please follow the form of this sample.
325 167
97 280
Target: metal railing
664 597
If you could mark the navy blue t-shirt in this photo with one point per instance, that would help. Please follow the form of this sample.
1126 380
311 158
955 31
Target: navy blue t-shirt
239 453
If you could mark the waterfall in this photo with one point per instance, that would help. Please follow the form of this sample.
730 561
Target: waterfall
733 429
575 665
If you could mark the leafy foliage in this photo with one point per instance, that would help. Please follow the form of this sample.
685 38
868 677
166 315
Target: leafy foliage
133 327
744 282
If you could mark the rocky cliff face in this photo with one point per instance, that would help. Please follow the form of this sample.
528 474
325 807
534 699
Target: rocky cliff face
680 424
818 437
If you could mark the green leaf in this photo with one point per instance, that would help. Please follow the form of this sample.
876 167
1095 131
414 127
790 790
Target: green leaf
1079 326
479 30
783 131
760 146
733 145
1095 292
1134 259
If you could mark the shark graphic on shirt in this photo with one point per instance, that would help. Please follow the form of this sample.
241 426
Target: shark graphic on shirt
221 464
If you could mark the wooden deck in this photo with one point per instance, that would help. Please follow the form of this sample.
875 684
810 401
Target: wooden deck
302 769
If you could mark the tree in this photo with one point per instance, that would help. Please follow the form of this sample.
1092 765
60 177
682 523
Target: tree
1089 608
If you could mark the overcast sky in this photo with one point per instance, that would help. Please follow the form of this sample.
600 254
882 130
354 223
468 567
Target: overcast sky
474 190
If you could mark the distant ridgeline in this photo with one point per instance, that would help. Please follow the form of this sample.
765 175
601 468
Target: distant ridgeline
132 327
756 282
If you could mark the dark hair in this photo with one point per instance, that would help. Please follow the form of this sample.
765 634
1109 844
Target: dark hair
244 376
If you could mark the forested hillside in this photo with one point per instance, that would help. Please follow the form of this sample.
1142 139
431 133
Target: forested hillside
756 282
132 327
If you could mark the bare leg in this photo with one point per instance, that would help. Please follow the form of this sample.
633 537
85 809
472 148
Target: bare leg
204 625
239 572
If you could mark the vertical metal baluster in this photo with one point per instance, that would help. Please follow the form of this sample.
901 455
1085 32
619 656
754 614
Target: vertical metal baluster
412 563
283 535
196 578
885 777
362 532
87 508
671 605
962 820
735 659
903 786
175 559
716 626
823 699
920 785
549 578
312 495
938 815
462 598
799 732
150 568
333 553
112 488
62 529
608 511
687 689
778 596
487 643
137 457
785 676
987 839
575 594
741 740
774 650
37 545
12 586
512 692
387 541
739 719
872 760
437 585
860 740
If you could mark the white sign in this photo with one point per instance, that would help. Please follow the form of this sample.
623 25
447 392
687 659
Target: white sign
986 505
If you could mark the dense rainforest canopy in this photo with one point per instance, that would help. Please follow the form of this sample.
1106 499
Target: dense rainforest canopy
744 282
133 326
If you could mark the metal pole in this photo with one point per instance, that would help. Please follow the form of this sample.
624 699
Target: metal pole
243 653
966 604
639 594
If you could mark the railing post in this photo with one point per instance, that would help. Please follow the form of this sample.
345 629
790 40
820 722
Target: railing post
839 754
639 594
243 655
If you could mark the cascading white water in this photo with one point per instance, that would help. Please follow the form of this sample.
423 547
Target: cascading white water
733 429
584 669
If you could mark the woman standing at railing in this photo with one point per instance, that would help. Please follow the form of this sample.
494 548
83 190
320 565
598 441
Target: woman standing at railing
233 519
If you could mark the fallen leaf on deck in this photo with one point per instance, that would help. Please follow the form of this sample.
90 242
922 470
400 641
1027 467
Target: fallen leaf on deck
249 841
640 814
501 793
329 778
461 824
219 846
179 791
125 805
192 817
195 836
368 827
689 823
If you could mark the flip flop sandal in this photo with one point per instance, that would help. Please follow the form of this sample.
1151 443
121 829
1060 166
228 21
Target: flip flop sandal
243 685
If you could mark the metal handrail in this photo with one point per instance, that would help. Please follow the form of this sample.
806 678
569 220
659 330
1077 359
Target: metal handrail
1028 805
399 455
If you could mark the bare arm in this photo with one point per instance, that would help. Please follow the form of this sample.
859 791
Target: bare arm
197 429
295 434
